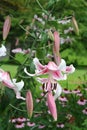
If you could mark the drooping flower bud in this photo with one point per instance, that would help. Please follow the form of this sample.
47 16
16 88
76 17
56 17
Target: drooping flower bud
75 25
6 27
52 105
29 103
56 48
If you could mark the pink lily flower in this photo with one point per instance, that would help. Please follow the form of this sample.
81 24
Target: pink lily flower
12 84
52 70
53 74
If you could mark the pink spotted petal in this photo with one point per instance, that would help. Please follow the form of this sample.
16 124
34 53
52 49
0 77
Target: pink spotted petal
52 105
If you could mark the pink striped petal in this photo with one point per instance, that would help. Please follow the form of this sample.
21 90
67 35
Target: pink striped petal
52 105
57 75
52 66
70 69
44 71
7 80
38 65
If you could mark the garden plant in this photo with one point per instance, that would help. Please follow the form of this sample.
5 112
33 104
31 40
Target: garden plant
38 95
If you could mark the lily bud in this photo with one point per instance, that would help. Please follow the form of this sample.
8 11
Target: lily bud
52 105
56 41
56 48
29 103
50 35
75 25
6 27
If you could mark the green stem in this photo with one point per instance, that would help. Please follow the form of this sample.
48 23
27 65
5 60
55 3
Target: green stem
16 108
26 30
41 6
13 58
3 42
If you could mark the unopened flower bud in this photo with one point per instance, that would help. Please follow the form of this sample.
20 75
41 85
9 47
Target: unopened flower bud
52 105
6 27
56 48
56 41
29 103
50 35
75 25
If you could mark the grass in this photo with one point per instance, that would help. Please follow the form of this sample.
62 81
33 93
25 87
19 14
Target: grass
74 80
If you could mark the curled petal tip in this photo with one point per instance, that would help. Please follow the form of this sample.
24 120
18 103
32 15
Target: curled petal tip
25 70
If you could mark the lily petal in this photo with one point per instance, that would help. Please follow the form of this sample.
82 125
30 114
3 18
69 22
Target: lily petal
18 50
58 91
3 51
70 69
52 66
57 75
25 70
18 85
42 80
37 64
62 65
18 95
7 80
